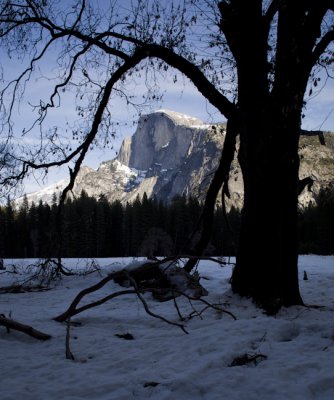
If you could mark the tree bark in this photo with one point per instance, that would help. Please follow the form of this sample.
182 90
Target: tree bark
267 259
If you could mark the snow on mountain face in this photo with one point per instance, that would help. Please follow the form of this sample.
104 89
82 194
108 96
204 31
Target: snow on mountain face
174 154
46 194
169 154
181 119
179 151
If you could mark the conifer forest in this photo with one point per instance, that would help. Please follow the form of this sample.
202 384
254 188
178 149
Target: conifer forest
90 227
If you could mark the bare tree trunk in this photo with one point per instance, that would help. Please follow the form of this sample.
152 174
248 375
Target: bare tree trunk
267 260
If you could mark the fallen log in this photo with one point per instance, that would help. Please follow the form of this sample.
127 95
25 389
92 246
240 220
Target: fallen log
28 330
164 280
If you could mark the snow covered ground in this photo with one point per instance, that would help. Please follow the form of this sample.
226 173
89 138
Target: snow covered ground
162 362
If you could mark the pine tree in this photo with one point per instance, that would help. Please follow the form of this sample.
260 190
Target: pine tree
23 245
10 230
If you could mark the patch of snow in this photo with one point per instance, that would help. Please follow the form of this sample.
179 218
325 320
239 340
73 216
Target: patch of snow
202 126
44 194
124 168
162 362
181 119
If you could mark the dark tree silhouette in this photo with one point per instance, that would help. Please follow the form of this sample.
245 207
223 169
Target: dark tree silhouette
252 60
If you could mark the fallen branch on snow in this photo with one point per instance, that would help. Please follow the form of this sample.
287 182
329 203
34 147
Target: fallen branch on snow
163 282
28 330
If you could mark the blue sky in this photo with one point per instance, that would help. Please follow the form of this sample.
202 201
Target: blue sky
184 98
181 96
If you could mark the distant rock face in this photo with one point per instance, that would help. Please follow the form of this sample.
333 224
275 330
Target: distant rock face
164 139
317 162
174 154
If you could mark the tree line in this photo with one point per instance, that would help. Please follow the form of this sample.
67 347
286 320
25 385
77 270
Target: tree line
92 227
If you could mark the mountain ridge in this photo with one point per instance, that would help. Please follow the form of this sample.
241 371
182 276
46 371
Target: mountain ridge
175 154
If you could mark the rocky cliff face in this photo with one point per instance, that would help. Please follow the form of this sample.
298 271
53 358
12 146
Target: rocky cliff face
316 161
173 154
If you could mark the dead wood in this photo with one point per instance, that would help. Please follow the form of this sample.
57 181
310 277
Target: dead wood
73 310
69 355
149 312
28 330
23 288
207 305
162 278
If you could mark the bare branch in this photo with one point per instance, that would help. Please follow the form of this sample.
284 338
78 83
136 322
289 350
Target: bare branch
80 295
34 16
83 5
16 82
220 177
97 120
67 79
320 48
213 306
28 330
194 73
83 148
73 310
149 312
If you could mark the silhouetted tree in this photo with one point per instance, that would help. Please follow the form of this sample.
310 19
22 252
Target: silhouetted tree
252 60
22 228
10 230
115 238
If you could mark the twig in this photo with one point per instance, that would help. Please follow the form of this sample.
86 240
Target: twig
195 312
149 312
189 257
215 307
178 309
